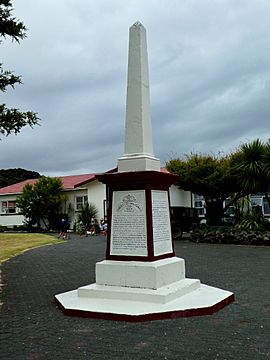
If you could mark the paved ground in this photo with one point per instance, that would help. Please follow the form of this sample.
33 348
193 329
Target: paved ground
32 327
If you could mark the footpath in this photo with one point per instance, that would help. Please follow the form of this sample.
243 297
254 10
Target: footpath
33 327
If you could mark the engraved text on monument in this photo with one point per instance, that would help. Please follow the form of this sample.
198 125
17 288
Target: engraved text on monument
129 235
161 223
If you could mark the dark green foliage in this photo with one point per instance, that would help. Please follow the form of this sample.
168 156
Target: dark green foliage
12 120
202 174
205 175
251 167
245 172
230 235
87 212
254 221
13 176
41 203
8 79
9 25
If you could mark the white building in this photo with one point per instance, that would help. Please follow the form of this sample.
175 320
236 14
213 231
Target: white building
255 200
78 189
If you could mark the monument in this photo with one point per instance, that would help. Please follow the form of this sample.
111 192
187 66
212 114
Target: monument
141 278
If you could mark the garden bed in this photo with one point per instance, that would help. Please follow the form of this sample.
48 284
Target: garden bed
224 235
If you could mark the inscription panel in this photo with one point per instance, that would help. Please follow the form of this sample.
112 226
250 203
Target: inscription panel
162 235
128 231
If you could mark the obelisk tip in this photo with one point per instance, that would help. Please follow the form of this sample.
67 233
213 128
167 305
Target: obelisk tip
137 24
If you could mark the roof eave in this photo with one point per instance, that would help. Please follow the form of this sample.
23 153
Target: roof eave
85 182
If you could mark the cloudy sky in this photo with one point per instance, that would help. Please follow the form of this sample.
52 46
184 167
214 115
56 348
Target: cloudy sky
209 64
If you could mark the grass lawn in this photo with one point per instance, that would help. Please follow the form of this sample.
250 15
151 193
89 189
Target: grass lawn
15 244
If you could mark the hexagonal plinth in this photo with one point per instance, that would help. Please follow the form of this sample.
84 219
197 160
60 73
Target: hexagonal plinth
110 299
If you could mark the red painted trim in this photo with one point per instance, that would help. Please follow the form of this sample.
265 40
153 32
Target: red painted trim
109 224
128 258
149 317
169 199
139 258
133 179
149 224
164 256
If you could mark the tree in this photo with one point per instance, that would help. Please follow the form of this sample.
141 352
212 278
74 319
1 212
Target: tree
206 175
251 167
12 120
41 203
13 176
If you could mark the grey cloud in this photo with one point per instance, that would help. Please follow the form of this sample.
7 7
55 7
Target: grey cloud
209 79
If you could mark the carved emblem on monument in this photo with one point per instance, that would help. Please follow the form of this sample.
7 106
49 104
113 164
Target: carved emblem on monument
129 203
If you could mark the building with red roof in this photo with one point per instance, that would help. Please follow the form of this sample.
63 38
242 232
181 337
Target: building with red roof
69 183
78 189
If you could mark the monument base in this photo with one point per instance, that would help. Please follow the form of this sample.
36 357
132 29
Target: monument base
121 295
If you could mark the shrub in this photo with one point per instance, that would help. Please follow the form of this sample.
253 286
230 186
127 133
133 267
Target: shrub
2 228
254 221
230 235
87 212
20 228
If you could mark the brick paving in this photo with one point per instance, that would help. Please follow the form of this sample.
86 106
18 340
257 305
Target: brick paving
33 327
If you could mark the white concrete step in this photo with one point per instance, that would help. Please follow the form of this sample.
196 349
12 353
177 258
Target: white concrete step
162 295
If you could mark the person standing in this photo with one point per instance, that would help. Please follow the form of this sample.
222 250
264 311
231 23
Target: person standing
63 229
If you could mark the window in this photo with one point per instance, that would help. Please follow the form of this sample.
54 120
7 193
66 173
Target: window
266 207
256 201
198 204
80 201
230 210
8 207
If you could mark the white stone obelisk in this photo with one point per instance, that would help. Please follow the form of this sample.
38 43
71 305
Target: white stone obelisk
138 155
141 278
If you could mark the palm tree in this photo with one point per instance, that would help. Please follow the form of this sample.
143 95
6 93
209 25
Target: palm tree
87 212
266 166
251 167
